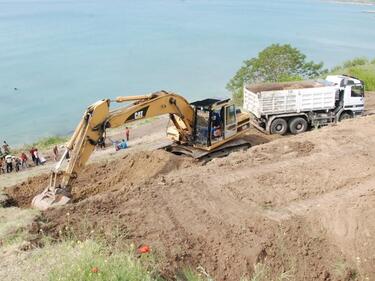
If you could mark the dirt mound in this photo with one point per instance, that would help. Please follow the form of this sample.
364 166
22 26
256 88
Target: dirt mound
22 194
301 205
101 177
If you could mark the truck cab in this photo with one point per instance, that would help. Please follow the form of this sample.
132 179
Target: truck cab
350 98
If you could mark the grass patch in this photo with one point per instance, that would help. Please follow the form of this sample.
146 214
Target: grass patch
362 68
100 257
49 142
42 144
13 222
342 271
94 261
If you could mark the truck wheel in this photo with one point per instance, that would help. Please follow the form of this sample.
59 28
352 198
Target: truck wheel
297 125
279 126
344 116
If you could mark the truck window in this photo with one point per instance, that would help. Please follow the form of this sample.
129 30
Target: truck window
357 91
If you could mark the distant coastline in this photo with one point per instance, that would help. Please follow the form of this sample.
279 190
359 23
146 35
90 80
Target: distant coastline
357 2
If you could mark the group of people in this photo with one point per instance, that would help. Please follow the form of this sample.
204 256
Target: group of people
123 144
10 163
118 145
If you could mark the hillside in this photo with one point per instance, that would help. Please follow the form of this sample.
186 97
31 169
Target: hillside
297 206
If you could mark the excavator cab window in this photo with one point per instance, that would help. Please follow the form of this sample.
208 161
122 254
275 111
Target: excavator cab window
202 127
210 121
217 132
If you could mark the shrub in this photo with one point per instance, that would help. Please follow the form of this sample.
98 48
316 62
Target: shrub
355 62
365 73
362 68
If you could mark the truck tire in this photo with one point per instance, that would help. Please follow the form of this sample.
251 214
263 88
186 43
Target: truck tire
297 125
344 116
279 126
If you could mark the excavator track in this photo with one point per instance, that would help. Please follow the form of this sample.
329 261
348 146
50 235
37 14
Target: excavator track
221 151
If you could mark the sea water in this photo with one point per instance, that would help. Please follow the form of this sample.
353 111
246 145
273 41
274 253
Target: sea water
59 56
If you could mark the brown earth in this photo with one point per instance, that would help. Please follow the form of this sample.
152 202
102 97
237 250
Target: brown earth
302 205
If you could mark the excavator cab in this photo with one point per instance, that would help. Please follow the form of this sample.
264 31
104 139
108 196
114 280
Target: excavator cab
215 122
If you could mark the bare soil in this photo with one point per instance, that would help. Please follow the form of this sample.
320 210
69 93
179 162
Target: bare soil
302 205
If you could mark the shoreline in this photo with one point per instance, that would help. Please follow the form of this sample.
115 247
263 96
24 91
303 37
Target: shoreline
353 2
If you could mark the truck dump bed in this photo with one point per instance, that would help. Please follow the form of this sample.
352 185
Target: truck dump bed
290 97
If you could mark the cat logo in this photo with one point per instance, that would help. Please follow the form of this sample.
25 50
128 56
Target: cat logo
138 114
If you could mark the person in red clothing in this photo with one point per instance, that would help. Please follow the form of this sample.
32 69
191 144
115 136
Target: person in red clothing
23 160
127 133
32 150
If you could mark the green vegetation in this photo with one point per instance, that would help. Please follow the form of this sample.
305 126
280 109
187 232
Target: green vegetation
276 63
100 257
12 224
48 142
42 144
94 261
283 63
362 68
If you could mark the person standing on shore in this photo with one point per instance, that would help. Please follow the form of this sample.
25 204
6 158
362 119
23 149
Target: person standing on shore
101 143
6 148
127 133
17 163
23 160
9 163
2 165
56 153
36 156
32 150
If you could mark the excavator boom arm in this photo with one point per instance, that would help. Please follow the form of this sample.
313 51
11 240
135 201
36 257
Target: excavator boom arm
91 129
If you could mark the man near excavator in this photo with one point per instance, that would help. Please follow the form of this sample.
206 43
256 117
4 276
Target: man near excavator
127 133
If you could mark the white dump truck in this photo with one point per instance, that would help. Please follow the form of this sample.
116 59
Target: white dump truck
277 108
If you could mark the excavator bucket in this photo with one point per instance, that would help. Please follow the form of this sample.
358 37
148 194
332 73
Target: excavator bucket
48 199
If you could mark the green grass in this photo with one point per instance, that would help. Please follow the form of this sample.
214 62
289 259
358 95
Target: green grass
362 68
13 222
49 142
97 262
42 144
92 261
72 259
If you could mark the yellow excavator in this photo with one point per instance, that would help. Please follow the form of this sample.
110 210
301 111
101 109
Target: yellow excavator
199 129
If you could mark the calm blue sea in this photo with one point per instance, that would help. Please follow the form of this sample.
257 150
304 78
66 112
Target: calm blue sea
63 55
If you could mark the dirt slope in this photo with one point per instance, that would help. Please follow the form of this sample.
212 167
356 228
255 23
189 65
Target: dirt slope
302 205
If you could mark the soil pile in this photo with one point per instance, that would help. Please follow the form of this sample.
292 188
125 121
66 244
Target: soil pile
301 205
111 175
